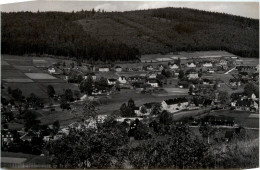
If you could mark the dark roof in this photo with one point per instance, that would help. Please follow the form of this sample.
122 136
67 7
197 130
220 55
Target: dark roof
112 79
149 105
245 102
118 67
229 134
152 81
207 102
175 101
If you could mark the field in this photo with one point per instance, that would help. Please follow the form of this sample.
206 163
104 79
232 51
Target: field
246 119
20 72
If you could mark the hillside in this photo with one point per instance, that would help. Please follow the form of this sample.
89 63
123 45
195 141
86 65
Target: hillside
131 33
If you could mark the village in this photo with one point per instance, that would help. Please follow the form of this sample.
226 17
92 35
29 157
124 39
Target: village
199 89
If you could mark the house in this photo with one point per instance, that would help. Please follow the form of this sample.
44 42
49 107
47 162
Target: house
111 81
145 109
174 105
207 82
51 70
173 66
136 79
6 137
103 69
193 75
122 80
190 65
152 75
153 82
246 105
223 62
235 82
207 64
94 77
149 67
160 67
118 69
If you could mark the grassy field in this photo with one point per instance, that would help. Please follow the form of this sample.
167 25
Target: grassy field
20 72
241 117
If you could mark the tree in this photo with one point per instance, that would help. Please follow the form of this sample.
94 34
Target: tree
223 97
89 110
69 95
143 110
31 121
56 126
181 74
141 132
165 118
64 102
87 86
131 103
77 94
17 94
250 88
50 91
156 110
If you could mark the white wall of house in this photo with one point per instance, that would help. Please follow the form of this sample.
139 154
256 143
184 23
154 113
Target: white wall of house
103 69
174 107
122 80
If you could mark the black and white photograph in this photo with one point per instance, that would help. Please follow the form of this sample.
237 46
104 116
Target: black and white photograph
130 85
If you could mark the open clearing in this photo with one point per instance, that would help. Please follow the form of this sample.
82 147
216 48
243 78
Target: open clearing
39 76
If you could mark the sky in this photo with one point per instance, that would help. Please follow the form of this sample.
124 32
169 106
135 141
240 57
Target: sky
245 9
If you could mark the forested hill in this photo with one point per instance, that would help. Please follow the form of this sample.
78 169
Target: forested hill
112 36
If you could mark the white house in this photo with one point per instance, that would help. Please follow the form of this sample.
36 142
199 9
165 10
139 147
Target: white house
193 75
153 82
152 75
173 66
51 70
122 80
111 81
207 64
103 69
174 105
191 65
149 67
118 69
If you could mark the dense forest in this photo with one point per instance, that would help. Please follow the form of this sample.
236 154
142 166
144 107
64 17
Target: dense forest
55 33
99 35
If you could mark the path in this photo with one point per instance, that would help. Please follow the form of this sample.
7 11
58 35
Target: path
230 70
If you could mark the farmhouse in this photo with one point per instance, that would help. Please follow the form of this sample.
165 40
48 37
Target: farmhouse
103 69
190 65
136 79
174 105
152 75
122 79
245 105
153 82
207 64
6 137
149 67
51 70
173 66
93 75
118 69
193 75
